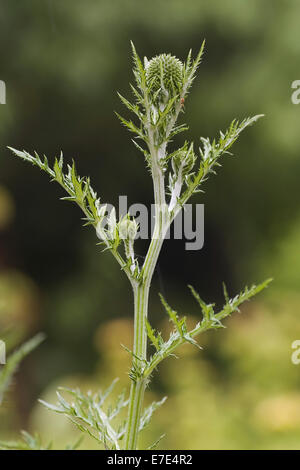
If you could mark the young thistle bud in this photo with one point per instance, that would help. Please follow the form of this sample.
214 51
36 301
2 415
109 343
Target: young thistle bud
164 75
127 232
128 229
183 161
100 231
112 224
182 164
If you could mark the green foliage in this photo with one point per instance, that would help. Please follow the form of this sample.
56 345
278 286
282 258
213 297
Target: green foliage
210 320
162 84
93 417
87 412
148 412
33 442
157 118
147 416
78 188
210 153
13 362
27 442
161 87
80 191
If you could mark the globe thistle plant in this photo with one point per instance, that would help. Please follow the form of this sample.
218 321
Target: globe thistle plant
161 87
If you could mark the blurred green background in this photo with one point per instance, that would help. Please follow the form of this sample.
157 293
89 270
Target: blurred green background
63 62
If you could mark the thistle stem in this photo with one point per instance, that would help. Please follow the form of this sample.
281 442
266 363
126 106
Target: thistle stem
141 300
138 386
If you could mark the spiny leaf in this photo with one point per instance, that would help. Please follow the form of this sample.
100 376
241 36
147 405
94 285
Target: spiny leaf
233 304
191 67
211 320
78 188
172 313
87 412
144 152
155 444
207 309
226 296
8 370
27 442
148 413
152 336
131 126
33 442
139 71
58 171
211 152
130 106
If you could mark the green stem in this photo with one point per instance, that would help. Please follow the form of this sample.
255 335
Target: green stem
138 386
141 299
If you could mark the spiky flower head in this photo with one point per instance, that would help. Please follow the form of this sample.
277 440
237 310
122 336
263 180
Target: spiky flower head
164 73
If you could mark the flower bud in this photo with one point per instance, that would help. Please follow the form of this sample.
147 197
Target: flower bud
127 229
164 71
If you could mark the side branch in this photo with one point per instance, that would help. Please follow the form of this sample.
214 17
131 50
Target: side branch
80 191
210 320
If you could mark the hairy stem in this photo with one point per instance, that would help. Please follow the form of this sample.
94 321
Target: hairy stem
141 299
